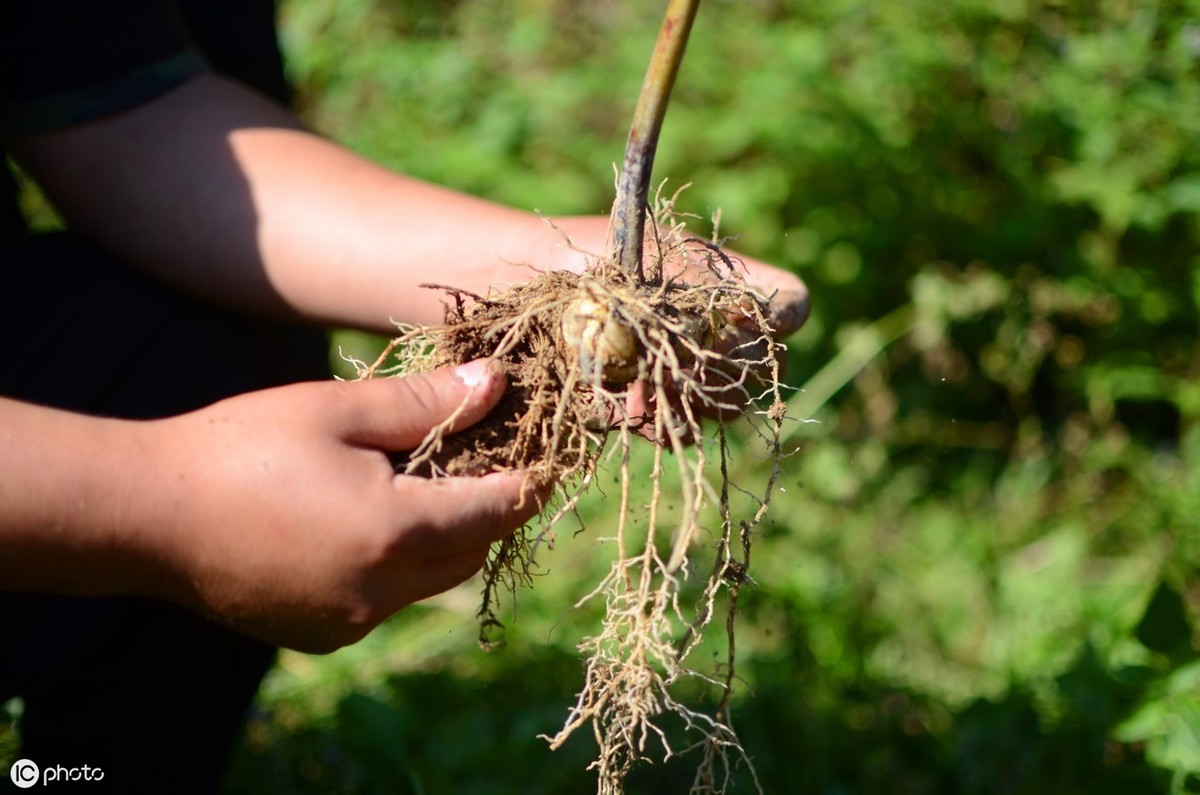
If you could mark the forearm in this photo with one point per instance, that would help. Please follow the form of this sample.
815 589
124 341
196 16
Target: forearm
222 193
67 498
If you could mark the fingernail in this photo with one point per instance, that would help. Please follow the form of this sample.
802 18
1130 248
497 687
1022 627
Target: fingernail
472 373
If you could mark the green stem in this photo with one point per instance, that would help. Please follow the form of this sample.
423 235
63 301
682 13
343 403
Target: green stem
633 186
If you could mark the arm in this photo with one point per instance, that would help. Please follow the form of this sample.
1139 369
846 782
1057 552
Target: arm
222 193
308 540
219 191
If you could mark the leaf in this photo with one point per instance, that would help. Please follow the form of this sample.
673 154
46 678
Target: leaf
1169 724
1164 626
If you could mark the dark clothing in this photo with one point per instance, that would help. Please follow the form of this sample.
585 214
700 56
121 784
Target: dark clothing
65 63
146 691
152 694
68 62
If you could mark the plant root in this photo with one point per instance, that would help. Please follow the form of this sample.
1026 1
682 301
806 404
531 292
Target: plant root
600 356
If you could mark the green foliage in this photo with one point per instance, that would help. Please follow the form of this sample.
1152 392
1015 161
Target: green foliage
37 210
980 576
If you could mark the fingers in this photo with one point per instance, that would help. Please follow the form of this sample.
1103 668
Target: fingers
447 528
397 413
789 299
642 406
639 410
788 310
785 312
456 514
446 573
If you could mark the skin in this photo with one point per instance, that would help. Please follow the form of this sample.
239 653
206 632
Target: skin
276 512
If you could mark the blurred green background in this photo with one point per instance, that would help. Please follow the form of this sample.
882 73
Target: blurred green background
981 575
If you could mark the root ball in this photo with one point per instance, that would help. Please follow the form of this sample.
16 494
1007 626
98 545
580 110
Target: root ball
600 355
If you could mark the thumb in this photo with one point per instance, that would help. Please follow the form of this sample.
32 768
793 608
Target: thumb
397 413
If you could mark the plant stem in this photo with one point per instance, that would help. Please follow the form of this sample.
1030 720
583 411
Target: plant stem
633 186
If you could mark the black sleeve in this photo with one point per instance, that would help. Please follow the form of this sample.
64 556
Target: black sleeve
238 39
64 62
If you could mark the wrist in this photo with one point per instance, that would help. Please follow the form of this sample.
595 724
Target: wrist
73 500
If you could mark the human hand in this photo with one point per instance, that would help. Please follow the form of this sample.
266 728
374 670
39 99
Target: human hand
742 337
279 513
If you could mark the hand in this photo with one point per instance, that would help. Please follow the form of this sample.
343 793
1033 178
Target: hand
281 511
788 307
788 301
787 310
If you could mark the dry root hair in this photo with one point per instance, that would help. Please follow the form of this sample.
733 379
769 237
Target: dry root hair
687 341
